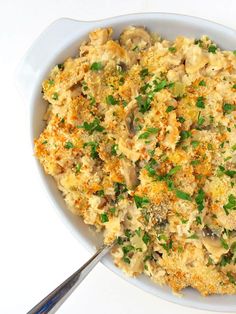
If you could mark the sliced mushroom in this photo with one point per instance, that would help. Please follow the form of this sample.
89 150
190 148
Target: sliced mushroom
135 37
129 171
207 232
213 244
131 126
75 90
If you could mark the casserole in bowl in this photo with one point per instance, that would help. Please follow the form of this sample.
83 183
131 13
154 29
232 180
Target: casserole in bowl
155 22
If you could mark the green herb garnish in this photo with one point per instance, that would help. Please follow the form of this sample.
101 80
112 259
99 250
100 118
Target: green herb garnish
231 205
195 162
93 146
143 73
193 236
96 66
202 83
195 144
185 134
104 218
146 238
141 201
199 199
181 119
114 149
200 119
212 49
110 100
144 103
224 244
182 195
231 278
172 49
200 102
55 96
228 108
149 131
93 126
69 145
170 108
78 168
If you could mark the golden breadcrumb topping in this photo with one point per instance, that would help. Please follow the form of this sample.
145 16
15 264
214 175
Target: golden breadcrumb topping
141 141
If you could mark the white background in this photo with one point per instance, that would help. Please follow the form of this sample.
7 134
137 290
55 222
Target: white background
37 252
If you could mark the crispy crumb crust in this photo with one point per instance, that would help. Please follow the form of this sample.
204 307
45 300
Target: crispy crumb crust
141 141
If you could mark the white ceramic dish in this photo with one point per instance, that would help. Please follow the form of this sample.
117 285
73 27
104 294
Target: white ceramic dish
61 40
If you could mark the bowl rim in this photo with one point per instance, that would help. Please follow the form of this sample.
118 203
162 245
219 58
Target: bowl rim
68 223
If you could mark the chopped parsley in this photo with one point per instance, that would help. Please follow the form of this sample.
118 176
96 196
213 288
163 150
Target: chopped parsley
159 85
93 146
110 100
202 83
226 259
51 82
212 49
114 149
149 167
224 244
69 145
104 218
174 170
96 66
138 232
172 49
167 246
228 108
199 199
233 147
78 168
198 42
149 131
170 108
198 220
231 278
119 188
230 173
61 66
141 201
100 193
126 259
195 144
143 73
55 96
112 210
181 119
146 238
231 205
195 162
126 249
200 102
200 119
193 236
144 103
185 134
182 195
93 126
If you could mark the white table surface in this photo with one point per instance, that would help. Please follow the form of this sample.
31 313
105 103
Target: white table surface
37 251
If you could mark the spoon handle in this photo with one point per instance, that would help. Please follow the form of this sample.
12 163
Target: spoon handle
53 301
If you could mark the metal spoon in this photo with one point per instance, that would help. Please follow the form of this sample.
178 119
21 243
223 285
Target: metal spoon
54 300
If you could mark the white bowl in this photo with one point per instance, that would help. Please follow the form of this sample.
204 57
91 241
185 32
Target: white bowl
61 40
